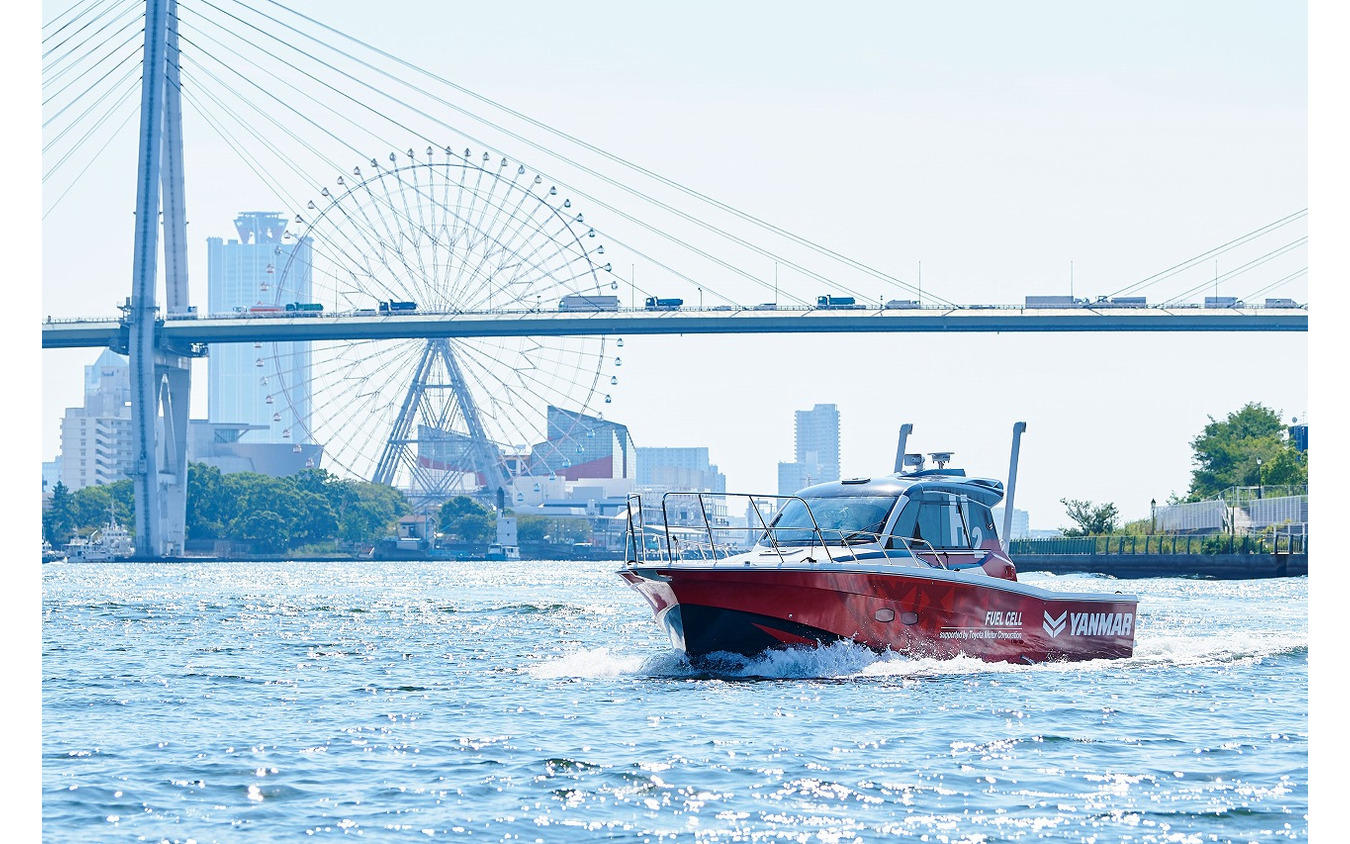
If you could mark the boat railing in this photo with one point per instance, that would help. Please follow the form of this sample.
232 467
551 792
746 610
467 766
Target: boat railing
680 538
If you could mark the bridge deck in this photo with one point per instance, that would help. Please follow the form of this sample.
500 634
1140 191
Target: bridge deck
102 332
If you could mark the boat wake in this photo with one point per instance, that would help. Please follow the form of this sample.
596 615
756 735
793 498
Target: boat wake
848 660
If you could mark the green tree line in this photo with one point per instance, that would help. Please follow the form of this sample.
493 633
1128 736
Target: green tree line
312 509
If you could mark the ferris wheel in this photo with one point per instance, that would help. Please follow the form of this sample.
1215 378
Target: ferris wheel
436 417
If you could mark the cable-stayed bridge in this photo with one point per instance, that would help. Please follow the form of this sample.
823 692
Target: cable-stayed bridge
184 333
403 191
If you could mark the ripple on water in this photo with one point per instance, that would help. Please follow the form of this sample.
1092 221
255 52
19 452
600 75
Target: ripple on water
542 702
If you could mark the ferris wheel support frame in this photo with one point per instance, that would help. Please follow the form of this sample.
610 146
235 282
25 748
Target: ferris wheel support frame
483 453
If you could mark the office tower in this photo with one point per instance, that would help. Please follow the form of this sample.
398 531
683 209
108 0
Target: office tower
96 438
1021 524
818 440
817 450
674 468
266 266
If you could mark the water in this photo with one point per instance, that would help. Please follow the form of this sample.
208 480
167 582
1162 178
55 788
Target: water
539 702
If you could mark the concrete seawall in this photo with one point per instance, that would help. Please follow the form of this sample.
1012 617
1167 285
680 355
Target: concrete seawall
1213 566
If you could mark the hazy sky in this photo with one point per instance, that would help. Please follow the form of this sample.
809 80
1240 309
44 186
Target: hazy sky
996 143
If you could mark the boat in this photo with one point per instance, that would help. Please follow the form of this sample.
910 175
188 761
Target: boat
108 543
500 552
909 562
50 554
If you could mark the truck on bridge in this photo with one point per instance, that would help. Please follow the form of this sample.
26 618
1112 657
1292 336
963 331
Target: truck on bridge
303 308
394 307
582 302
838 303
655 303
1054 302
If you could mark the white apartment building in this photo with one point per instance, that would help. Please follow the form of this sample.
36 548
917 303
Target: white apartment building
96 438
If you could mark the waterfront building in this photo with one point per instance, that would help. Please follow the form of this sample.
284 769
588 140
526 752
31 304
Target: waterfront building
1021 524
795 476
680 468
817 450
96 438
222 445
581 446
265 266
51 474
664 469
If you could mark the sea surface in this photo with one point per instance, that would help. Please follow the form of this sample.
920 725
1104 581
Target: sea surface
539 702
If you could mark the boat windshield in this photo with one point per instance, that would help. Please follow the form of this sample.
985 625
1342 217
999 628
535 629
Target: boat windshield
841 520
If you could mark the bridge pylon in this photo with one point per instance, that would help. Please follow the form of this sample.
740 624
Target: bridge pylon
160 374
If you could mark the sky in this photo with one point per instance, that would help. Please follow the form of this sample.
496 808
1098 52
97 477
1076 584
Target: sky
993 150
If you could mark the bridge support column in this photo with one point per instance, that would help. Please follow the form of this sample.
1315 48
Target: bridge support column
141 313
173 374
160 377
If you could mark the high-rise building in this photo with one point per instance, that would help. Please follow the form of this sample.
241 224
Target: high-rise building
1298 435
265 266
675 468
96 438
1021 524
817 450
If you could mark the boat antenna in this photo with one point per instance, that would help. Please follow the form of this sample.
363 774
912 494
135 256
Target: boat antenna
900 449
1018 428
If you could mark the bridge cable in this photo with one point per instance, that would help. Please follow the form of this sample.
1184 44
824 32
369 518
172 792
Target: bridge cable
129 4
642 224
1252 264
1275 284
1153 279
684 244
607 179
612 157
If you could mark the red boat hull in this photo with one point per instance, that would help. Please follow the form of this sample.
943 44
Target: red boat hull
938 614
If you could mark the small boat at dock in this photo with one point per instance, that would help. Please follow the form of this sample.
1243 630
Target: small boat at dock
109 543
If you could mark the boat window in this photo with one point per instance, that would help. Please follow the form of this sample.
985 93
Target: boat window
980 522
906 524
938 521
839 519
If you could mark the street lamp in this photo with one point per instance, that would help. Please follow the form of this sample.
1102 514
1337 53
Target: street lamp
1153 510
1260 477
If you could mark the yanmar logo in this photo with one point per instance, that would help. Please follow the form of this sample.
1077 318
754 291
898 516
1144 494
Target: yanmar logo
1055 626
1101 623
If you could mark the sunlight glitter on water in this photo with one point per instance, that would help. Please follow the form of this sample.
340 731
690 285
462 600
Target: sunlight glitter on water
542 702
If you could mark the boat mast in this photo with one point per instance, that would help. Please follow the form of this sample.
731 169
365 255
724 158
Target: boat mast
900 448
1018 428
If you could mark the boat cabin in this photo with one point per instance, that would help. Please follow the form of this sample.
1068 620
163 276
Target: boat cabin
936 509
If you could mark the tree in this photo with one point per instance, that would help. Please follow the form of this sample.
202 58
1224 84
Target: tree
467 520
58 520
264 529
205 488
535 528
93 505
1092 520
1248 448
366 512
